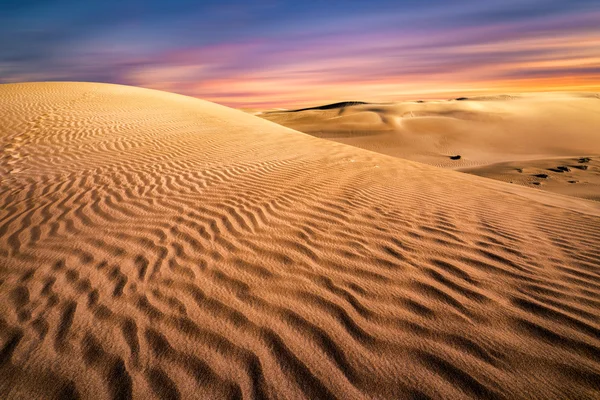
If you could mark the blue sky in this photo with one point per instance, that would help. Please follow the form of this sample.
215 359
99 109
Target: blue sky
263 53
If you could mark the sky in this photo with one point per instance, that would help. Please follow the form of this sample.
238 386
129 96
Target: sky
277 53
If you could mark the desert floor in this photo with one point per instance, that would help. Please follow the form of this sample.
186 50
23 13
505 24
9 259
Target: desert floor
158 246
509 138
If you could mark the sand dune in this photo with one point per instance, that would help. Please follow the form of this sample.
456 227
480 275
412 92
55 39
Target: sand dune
158 246
482 130
578 177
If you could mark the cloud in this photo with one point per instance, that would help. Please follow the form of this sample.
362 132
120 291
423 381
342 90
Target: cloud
278 53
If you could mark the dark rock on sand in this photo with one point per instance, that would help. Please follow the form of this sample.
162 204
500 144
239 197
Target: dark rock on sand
582 167
560 169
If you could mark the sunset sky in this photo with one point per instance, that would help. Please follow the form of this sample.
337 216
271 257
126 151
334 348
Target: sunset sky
274 53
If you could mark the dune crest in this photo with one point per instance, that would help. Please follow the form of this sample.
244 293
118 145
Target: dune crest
158 246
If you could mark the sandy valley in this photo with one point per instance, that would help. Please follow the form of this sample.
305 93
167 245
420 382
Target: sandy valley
510 137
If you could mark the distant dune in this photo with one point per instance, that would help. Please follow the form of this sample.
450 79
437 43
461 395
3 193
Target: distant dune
158 246
332 106
520 130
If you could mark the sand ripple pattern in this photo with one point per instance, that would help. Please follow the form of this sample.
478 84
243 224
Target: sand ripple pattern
157 246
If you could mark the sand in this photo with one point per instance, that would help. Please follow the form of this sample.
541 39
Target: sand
485 131
578 177
158 246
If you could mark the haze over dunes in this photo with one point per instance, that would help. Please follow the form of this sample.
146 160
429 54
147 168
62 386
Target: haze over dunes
158 246
515 138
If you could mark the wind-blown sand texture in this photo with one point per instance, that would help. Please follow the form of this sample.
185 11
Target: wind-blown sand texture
527 131
158 246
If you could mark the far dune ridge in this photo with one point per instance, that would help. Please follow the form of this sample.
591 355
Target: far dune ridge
154 245
526 130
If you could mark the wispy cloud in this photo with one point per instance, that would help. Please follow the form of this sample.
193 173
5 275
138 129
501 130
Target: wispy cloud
277 53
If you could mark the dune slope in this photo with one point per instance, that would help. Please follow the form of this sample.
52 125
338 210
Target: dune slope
159 246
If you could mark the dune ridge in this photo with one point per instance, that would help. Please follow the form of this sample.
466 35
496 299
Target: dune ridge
158 246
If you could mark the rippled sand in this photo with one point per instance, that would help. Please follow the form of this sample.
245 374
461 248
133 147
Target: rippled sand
158 246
